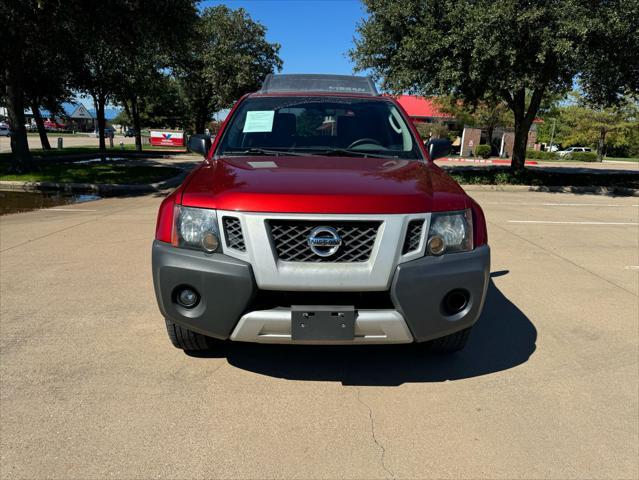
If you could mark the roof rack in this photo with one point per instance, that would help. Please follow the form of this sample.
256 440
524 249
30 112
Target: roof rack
318 83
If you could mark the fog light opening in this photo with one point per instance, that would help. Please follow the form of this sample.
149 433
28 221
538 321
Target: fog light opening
455 301
436 245
210 242
187 297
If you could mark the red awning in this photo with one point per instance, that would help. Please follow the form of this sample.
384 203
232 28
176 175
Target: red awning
421 107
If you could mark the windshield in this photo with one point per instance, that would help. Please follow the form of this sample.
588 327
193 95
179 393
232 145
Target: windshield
318 125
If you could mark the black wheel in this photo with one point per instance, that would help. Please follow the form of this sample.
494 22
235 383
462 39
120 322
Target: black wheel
450 343
188 340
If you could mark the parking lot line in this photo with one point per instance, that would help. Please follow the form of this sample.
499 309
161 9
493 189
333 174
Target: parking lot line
635 205
550 222
69 210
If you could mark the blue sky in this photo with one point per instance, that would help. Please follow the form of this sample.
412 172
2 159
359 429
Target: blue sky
315 35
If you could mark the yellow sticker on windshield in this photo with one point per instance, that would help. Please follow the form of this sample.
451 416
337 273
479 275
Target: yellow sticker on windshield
259 121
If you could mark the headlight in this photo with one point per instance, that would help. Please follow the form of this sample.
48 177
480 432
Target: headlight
450 232
197 228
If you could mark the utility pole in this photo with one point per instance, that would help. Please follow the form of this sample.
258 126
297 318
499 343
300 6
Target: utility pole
552 133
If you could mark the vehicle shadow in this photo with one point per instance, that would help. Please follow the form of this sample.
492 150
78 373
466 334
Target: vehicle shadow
502 339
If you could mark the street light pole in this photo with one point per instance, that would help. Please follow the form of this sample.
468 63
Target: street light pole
552 133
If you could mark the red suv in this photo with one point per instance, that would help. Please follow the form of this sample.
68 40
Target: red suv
319 217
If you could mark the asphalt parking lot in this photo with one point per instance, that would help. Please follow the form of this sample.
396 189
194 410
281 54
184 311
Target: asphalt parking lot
548 386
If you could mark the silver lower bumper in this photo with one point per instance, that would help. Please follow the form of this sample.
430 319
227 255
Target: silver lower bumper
274 326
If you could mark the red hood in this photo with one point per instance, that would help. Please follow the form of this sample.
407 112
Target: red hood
316 184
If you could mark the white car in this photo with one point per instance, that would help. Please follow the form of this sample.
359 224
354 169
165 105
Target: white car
571 150
107 132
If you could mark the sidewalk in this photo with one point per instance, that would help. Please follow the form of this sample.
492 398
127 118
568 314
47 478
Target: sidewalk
567 166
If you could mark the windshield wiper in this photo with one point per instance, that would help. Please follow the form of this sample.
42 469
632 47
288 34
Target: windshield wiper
263 151
345 152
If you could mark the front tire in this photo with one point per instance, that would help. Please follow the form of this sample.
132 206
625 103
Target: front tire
450 343
188 340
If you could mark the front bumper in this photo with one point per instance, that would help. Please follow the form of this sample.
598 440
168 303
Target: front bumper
227 288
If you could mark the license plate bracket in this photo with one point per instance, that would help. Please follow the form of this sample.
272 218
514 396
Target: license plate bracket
322 322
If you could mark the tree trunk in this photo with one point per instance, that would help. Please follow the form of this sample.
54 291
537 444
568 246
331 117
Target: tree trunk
523 120
519 146
601 145
200 124
21 159
489 133
44 139
136 123
99 101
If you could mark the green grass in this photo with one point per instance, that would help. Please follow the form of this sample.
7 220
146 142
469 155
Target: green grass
501 176
111 173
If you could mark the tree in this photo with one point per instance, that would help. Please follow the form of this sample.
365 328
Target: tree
227 57
30 31
124 45
47 85
512 51
152 51
488 114
582 124
160 106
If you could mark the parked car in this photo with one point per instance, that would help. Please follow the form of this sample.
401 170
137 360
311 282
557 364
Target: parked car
130 132
54 126
108 131
30 127
319 217
570 150
4 130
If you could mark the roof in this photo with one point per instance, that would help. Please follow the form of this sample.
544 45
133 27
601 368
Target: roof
421 107
78 110
318 83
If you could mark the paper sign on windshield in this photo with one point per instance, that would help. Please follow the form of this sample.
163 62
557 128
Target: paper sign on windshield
259 121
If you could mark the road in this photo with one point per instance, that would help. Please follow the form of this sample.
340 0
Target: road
68 141
547 387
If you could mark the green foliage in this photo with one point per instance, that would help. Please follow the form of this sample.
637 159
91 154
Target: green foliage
583 156
612 70
160 105
432 130
512 52
541 155
613 129
487 114
483 151
539 177
227 57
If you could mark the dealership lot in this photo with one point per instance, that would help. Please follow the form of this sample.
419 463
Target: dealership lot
547 387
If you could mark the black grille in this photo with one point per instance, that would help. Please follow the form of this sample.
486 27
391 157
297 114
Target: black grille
233 233
290 238
413 236
267 299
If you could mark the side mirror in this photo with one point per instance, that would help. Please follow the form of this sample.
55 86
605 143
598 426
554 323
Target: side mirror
439 147
199 144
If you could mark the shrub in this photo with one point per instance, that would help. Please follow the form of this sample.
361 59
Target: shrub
583 156
483 151
539 155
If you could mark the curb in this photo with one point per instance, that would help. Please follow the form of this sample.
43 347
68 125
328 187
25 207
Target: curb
492 161
593 190
110 154
98 188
